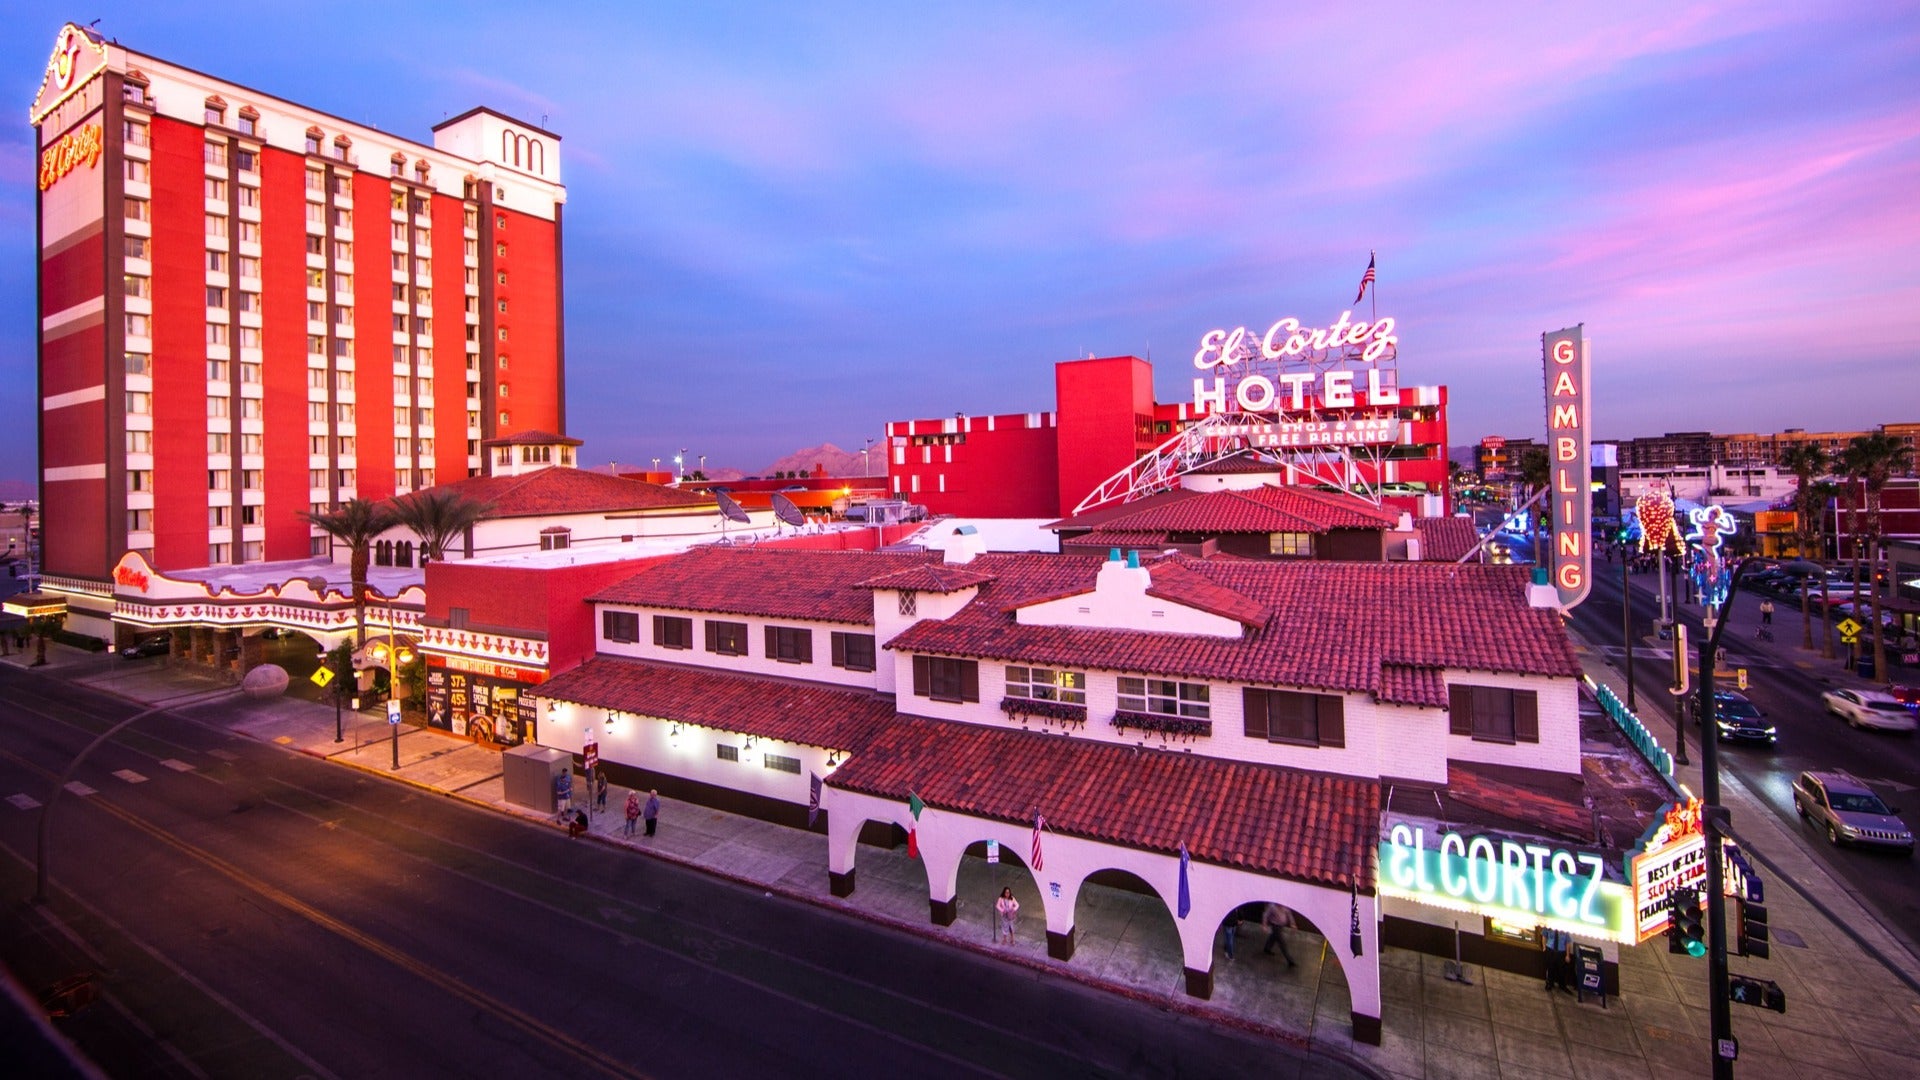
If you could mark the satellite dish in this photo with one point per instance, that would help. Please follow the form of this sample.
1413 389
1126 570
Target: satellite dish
730 509
784 509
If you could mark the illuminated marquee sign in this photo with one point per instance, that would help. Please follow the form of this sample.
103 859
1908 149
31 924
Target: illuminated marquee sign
1570 482
1289 433
1672 855
1287 341
1524 884
77 57
81 145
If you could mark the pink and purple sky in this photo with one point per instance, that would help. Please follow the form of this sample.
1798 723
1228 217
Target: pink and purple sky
790 226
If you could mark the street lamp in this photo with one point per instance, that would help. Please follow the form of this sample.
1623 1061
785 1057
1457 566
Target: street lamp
1715 820
395 657
865 468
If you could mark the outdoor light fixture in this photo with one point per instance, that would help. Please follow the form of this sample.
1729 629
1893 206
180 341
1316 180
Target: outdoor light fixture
833 759
553 706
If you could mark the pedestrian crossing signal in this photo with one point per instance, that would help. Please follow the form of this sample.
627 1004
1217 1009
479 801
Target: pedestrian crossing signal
1761 993
1753 937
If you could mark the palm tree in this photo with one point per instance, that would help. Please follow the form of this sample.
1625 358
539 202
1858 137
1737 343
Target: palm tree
1805 462
1823 494
1876 459
1535 473
355 524
436 516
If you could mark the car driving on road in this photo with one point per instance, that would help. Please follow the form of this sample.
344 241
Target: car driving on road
1738 718
1849 811
1869 709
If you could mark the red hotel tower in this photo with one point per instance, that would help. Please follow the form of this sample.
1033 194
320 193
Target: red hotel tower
249 308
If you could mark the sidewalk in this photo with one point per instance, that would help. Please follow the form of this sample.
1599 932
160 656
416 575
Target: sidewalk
1847 1015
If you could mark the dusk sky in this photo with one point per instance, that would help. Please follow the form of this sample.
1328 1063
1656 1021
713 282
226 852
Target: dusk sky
788 227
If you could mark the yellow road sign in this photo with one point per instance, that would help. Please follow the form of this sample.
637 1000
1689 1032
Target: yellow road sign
322 676
1848 627
1741 675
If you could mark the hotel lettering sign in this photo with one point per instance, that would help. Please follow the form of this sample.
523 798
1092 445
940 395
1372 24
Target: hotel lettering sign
1318 355
75 148
1522 883
1569 508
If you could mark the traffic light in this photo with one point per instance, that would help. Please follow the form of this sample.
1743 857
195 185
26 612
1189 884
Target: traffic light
1752 937
1763 993
1686 933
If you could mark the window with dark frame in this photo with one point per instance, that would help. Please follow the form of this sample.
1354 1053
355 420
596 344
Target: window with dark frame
790 644
1286 716
726 753
853 651
673 631
909 605
1493 714
781 763
726 638
945 678
622 626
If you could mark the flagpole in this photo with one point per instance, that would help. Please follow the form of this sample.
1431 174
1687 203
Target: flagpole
1371 256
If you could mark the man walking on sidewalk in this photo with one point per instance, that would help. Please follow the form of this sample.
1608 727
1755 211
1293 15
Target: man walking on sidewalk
1766 611
652 812
1276 919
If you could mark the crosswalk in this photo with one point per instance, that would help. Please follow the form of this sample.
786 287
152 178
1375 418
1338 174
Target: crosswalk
22 801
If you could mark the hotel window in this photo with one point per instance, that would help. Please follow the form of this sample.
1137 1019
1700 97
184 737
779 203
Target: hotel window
217 371
403 448
250 478
506 418
672 631
316 478
422 296
218 553
216 111
344 413
250 513
346 477
944 678
399 324
252 551
139 326
219 480
249 231
135 247
726 753
139 479
139 402
1290 544
134 93
249 373
134 132
398 199
343 316
249 196
470 217
139 442
250 410
343 348
216 189
1047 684
216 225
216 153
139 521
139 363
250 301
852 651
503 388
316 279
1493 714
138 171
316 345
249 121
503 333
500 250
136 210
502 277
316 444
217 261
340 145
396 165
217 516
246 161
216 296
503 361
133 285
343 282
423 267
1163 697
726 638
1301 719
790 644
503 307
418 206
499 221
473 251
343 251
342 218
623 626
317 411
218 442
216 333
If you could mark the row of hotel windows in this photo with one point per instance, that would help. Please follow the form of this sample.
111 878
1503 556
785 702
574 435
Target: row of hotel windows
786 644
140 403
136 91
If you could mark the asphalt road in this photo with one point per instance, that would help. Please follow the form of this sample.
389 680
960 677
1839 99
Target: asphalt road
1786 683
258 913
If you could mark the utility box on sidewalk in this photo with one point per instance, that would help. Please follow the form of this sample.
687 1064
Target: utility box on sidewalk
527 771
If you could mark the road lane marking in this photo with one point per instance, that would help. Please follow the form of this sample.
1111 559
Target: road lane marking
176 765
130 776
78 788
23 801
225 755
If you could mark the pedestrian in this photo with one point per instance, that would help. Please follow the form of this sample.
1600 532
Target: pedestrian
633 811
1276 919
1231 925
1557 944
1766 611
576 824
600 786
1009 910
652 812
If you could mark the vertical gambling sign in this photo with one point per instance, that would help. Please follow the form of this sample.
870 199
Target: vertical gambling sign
1569 509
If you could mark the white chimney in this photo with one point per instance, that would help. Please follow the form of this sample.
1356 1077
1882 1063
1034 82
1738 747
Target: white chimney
965 545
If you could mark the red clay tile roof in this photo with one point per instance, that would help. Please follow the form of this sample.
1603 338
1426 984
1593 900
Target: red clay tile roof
532 438
1117 538
1541 801
561 490
1172 581
1445 539
770 708
821 586
1111 512
932 577
1410 685
1266 509
1246 461
1333 625
1310 827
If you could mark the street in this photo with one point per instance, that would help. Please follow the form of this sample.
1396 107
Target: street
1785 682
261 913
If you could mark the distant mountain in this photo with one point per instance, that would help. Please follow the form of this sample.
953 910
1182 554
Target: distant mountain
13 491
836 461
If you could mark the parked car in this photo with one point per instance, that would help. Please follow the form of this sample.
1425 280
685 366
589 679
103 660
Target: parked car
1849 811
1905 695
153 646
1869 708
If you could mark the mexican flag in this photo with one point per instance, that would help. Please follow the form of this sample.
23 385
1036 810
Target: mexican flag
913 835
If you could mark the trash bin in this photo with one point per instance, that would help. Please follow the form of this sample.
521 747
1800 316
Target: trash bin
1863 667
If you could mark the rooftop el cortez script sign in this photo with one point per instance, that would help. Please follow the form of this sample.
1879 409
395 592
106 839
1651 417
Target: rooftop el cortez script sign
1313 379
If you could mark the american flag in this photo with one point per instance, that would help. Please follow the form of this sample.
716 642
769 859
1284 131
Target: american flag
1039 863
1366 279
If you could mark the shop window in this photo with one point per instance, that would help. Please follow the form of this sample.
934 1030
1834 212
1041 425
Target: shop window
1283 716
790 644
1494 714
621 626
853 651
726 638
946 679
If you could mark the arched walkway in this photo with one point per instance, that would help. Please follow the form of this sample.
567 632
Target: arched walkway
1134 927
977 888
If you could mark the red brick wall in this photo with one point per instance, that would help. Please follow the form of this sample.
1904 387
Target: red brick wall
180 533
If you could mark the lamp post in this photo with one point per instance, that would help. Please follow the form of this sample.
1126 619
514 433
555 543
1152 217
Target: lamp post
394 662
1626 621
1715 820
866 467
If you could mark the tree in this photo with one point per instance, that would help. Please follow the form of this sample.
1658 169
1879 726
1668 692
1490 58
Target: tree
43 627
1871 461
436 516
1535 472
1805 462
355 524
